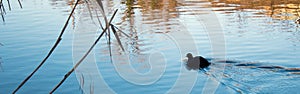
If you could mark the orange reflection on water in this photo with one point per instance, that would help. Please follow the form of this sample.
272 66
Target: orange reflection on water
277 9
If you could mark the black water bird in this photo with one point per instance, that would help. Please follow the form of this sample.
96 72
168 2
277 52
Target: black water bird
197 62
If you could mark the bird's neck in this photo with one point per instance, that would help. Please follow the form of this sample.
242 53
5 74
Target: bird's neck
190 58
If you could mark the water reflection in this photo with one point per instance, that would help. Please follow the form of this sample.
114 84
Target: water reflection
267 15
147 21
144 17
64 3
277 9
152 12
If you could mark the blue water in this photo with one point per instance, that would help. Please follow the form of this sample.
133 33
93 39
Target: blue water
27 35
262 51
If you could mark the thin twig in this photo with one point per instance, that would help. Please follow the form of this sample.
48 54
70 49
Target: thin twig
8 5
2 16
1 12
20 3
97 16
121 31
50 52
106 21
1 3
85 55
117 37
109 45
3 8
90 12
102 12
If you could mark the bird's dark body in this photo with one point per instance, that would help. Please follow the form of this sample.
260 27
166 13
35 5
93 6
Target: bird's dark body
203 62
197 62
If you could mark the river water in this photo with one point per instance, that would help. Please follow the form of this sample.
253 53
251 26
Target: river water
253 46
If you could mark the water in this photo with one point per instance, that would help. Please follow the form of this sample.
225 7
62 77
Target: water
261 46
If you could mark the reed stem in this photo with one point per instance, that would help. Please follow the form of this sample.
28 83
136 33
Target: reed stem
2 11
85 55
9 7
50 52
20 3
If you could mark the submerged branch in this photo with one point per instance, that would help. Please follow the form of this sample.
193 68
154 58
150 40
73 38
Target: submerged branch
85 55
50 52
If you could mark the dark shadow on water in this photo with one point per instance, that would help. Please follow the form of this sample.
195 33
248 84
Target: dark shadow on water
266 67
248 64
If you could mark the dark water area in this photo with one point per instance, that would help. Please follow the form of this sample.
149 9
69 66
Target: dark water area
253 46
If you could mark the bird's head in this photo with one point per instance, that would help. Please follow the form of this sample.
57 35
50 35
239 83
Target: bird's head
189 55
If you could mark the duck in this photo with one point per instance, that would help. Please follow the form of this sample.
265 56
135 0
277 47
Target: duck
197 62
